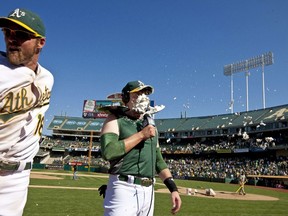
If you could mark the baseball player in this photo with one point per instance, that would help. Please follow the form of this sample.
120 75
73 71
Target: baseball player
75 177
242 182
25 88
129 141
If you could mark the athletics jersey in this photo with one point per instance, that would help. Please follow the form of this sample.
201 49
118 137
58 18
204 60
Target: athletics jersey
24 99
242 179
139 161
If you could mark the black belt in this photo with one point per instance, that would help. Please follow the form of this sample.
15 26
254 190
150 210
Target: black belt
13 166
137 180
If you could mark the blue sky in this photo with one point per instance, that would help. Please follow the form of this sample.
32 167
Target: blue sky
180 47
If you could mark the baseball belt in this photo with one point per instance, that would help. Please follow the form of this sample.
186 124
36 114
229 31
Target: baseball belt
13 166
137 180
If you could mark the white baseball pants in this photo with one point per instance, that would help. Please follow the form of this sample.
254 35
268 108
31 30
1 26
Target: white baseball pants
123 198
13 192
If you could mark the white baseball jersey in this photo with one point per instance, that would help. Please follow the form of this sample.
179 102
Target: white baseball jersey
24 99
242 178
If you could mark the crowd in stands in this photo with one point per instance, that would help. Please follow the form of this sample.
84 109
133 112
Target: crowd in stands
81 160
69 144
189 160
186 167
226 167
194 146
240 142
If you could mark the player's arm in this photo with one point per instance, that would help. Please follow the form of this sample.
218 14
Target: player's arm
112 147
166 176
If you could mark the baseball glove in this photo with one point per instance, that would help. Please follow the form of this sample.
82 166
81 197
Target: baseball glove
102 190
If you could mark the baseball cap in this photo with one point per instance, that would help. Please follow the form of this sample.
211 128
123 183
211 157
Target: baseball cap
136 86
26 19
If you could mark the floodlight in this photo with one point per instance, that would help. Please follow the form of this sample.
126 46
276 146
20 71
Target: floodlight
254 62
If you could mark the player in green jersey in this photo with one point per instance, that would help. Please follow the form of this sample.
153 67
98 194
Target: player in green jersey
129 141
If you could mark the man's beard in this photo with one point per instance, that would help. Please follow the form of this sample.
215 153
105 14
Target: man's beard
141 104
18 56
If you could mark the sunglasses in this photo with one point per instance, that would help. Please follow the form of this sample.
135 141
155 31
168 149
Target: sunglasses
18 34
143 91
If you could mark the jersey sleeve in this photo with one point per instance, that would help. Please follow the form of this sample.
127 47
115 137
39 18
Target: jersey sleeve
160 163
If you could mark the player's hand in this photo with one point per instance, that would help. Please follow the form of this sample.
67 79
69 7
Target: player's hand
176 202
102 190
148 132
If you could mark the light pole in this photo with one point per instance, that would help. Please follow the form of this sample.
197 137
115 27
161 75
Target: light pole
247 90
246 65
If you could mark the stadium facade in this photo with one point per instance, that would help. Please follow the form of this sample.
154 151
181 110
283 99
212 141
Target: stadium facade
253 135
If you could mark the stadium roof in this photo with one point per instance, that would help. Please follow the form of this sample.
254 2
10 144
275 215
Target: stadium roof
240 119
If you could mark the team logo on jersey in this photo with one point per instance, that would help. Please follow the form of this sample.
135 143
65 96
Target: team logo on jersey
21 100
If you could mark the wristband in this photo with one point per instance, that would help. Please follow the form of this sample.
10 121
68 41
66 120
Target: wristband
170 184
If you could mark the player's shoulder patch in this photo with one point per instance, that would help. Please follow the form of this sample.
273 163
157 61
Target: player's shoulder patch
3 53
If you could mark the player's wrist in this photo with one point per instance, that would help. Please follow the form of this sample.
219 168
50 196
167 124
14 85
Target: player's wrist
170 184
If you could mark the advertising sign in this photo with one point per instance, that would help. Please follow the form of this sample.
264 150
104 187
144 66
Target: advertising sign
90 108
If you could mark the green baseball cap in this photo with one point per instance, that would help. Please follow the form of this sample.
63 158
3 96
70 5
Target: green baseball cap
136 86
26 19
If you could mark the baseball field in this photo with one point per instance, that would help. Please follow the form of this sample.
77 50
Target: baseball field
54 193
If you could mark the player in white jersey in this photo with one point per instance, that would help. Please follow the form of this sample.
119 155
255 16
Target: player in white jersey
25 88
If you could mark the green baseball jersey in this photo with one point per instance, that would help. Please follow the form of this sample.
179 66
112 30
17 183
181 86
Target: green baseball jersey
139 161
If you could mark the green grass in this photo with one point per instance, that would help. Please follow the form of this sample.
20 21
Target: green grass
78 202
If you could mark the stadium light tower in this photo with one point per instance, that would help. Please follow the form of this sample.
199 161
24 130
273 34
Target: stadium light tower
246 65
